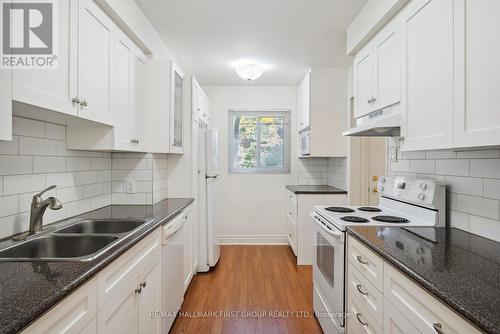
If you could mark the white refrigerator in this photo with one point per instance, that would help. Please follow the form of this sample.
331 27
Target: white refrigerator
208 172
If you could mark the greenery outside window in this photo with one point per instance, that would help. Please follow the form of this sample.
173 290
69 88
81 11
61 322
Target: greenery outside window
259 142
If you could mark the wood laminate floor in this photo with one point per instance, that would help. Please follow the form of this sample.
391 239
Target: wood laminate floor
253 289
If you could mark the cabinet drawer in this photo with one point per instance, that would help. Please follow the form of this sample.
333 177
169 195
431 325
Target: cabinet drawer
360 288
395 322
118 273
360 319
291 212
291 197
74 314
422 309
367 262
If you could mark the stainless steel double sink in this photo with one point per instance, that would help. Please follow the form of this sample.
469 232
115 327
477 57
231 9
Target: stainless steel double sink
82 241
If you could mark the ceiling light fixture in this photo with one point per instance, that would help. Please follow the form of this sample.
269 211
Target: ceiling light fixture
249 71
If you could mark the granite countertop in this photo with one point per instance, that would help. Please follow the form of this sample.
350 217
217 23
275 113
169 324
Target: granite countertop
459 268
315 190
29 289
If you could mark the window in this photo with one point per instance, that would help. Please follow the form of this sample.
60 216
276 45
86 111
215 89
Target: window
259 142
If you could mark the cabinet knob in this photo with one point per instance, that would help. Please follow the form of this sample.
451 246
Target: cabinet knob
369 101
84 103
138 290
143 284
437 328
76 100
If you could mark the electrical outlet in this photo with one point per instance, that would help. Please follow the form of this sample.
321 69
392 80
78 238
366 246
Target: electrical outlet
130 186
393 154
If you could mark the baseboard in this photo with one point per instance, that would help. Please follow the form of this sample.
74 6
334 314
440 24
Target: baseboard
253 240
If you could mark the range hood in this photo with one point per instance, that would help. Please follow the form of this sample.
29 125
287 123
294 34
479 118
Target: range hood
383 123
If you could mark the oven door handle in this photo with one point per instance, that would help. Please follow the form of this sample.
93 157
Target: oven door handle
335 234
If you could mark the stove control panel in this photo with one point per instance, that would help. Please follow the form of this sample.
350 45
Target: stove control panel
420 191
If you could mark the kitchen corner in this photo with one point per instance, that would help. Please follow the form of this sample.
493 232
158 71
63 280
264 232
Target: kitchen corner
31 288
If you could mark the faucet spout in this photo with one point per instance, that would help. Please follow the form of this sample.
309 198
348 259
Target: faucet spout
38 207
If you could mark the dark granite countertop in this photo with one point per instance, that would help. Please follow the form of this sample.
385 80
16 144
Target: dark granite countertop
315 190
459 268
29 289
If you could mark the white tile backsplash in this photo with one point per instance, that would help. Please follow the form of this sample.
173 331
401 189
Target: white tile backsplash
37 157
323 171
473 185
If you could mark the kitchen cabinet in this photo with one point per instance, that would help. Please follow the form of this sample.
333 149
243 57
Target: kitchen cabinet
322 109
55 89
5 104
377 70
427 101
303 107
176 110
200 102
382 299
75 314
150 296
158 106
95 58
477 72
298 226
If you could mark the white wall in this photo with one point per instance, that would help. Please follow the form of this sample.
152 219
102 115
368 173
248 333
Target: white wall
251 208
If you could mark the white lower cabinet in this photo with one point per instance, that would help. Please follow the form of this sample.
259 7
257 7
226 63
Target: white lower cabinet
397 306
75 314
150 283
299 228
188 247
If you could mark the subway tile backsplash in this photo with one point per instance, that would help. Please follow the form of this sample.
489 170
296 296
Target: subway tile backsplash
323 171
472 179
37 157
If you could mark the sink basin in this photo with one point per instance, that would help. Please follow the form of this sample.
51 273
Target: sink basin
59 248
103 226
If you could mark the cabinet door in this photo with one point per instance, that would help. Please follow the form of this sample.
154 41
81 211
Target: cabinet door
95 56
176 110
158 106
427 94
122 108
54 89
395 322
139 111
119 315
151 295
303 103
188 248
363 82
477 116
387 53
6 104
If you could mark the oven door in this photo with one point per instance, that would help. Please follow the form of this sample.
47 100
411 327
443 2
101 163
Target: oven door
328 269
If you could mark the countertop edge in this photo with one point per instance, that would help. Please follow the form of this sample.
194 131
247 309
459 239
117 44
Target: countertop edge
29 318
333 191
473 318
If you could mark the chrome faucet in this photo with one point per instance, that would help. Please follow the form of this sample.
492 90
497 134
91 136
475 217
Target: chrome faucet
38 207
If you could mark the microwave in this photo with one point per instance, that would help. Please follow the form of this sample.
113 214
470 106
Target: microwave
304 138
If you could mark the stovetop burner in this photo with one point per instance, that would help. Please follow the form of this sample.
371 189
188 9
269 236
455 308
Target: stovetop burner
391 219
339 209
354 219
369 209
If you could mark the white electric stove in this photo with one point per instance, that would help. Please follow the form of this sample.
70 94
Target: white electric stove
404 202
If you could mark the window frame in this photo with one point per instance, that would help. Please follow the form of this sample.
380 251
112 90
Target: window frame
286 114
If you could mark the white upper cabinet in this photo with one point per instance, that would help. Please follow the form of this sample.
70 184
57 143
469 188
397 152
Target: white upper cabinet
54 89
176 110
95 56
303 103
477 115
377 72
200 104
5 104
139 91
427 97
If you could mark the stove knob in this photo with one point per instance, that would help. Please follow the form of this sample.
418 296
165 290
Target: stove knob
423 186
421 196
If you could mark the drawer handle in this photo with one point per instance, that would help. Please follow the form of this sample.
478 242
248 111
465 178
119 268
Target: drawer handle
360 260
358 286
138 290
143 284
358 316
437 328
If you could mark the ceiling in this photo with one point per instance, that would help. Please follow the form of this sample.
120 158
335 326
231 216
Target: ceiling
288 36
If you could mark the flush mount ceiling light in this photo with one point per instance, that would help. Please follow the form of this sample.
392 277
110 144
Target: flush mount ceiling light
249 71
